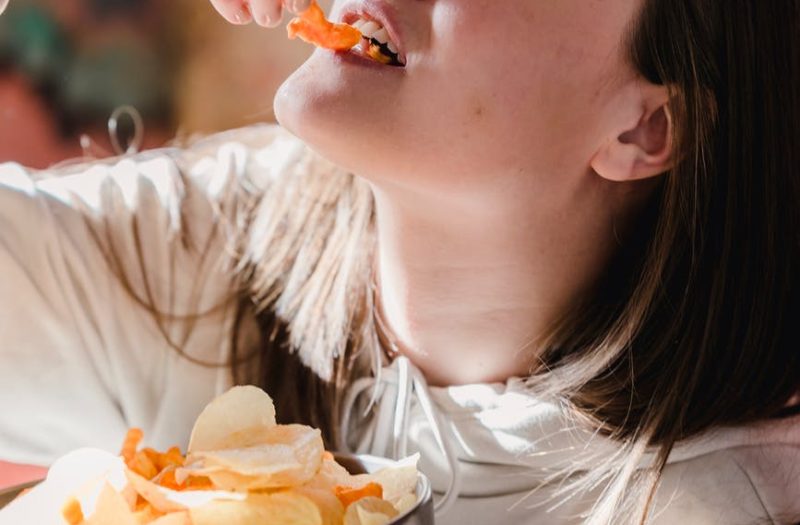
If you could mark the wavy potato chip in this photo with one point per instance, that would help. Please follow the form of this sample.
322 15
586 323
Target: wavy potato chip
289 455
330 508
111 509
146 513
281 508
236 419
175 518
397 482
370 511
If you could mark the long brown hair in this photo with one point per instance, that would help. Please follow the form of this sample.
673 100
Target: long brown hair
693 325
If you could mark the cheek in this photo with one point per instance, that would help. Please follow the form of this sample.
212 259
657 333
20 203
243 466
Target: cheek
524 81
489 79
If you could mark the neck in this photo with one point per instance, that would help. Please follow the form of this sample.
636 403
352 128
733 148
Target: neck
467 286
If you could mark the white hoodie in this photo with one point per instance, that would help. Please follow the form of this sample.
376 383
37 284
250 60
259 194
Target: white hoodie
81 361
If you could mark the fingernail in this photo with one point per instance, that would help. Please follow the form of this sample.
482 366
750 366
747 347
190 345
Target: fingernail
298 6
272 21
243 15
264 20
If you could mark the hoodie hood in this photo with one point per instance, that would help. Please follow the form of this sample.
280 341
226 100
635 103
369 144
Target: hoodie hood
498 441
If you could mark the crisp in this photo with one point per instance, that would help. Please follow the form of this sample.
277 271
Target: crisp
314 28
242 468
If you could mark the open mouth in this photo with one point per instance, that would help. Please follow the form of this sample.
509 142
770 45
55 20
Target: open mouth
376 43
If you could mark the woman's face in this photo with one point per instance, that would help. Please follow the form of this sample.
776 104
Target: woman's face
491 89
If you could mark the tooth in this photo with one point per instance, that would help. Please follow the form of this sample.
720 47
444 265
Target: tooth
369 28
382 35
392 47
359 23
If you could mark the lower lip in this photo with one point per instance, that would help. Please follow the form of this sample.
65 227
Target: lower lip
351 57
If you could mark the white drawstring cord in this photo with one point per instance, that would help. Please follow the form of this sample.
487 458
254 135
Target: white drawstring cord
400 381
445 441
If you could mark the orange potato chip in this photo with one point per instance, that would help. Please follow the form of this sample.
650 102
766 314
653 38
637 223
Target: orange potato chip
131 444
167 500
163 460
167 478
72 512
370 511
155 495
349 495
142 465
314 28
236 419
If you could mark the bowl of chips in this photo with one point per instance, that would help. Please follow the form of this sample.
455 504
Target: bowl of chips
240 468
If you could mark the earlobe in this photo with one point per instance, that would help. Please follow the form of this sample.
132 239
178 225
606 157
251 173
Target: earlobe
641 152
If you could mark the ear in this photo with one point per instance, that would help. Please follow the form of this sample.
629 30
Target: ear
642 147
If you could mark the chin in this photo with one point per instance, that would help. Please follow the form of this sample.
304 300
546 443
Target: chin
331 107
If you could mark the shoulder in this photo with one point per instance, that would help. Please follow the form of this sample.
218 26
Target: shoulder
740 485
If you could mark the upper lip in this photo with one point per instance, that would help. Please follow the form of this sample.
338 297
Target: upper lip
381 12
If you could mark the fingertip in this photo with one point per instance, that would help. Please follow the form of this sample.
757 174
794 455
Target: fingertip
267 14
235 12
298 6
242 16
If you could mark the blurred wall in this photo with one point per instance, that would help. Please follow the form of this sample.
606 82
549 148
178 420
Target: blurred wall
66 64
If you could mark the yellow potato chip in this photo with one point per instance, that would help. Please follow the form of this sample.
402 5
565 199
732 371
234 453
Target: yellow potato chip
370 511
235 419
406 503
331 473
174 518
330 508
281 508
227 480
290 455
146 514
396 481
111 509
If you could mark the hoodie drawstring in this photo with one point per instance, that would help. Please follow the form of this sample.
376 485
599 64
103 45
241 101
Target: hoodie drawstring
386 433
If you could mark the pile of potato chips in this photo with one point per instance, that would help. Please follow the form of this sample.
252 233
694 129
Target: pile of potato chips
242 468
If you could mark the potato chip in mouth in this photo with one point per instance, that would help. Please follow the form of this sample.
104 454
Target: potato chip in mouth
314 28
242 468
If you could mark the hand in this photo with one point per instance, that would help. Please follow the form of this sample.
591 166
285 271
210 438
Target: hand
266 13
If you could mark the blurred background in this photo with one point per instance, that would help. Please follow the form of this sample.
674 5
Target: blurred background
66 65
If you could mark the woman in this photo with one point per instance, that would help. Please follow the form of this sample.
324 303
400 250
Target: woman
565 270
